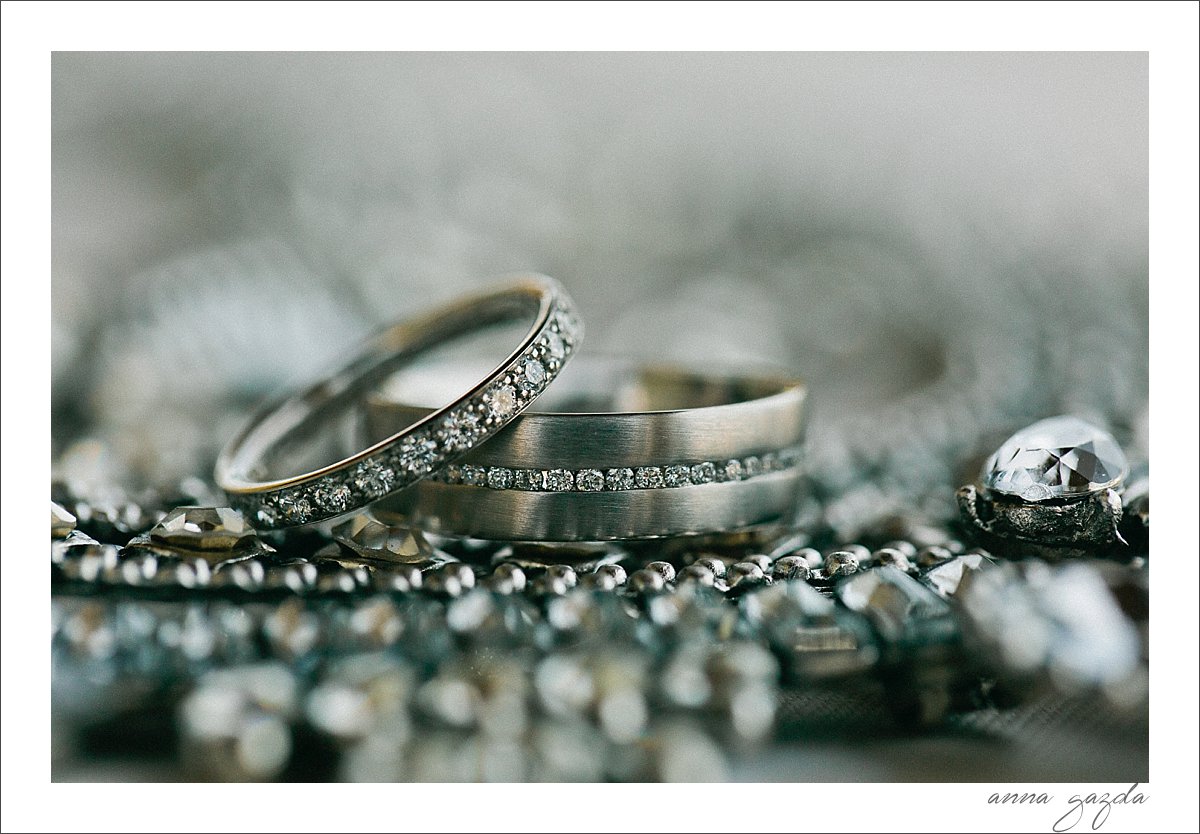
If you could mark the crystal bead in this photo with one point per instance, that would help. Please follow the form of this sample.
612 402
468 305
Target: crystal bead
400 578
841 563
665 568
790 567
1055 458
948 577
203 528
817 639
506 579
647 581
698 573
61 521
762 560
744 574
893 557
606 577
932 555
902 610
371 539
717 566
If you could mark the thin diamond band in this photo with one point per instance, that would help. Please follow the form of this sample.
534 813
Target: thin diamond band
407 456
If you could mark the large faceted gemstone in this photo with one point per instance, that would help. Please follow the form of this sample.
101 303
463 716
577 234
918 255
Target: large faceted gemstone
1058 457
203 528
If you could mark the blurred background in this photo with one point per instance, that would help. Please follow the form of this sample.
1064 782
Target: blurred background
946 245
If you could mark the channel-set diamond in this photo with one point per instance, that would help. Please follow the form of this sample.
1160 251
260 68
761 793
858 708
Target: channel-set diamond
589 480
618 479
499 477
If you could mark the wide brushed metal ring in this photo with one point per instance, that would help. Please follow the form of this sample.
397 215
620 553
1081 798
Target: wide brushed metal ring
617 451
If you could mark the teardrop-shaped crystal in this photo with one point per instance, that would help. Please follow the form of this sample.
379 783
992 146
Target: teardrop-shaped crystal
1057 457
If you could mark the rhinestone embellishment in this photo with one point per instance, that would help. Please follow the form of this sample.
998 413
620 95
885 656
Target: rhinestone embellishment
1059 457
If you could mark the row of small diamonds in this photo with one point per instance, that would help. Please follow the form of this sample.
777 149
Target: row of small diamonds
416 456
620 479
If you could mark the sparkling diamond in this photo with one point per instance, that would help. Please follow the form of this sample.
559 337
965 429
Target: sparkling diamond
499 477
704 473
332 497
589 480
751 467
296 508
452 474
560 480
418 455
617 479
267 515
677 476
648 477
372 478
533 374
460 430
732 470
203 528
473 475
502 401
555 347
567 325
1055 458
528 479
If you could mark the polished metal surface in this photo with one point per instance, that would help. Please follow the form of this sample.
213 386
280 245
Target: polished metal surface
247 468
513 515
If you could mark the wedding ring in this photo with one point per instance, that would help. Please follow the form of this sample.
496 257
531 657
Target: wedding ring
617 452
272 439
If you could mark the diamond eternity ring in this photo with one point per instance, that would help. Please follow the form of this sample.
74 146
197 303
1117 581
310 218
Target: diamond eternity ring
249 469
